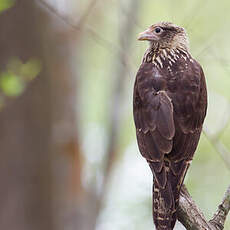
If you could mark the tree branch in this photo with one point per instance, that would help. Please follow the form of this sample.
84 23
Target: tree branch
67 20
81 26
192 217
222 212
189 214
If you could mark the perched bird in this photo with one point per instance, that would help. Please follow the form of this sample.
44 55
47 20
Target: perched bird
169 107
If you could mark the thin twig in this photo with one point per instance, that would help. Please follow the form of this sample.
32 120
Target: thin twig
81 21
81 26
86 13
219 217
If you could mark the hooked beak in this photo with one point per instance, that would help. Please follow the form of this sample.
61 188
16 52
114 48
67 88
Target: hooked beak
146 35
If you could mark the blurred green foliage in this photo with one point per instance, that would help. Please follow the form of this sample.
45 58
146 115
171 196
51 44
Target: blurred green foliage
6 4
17 75
11 84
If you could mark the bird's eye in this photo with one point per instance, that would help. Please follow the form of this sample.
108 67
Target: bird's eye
158 30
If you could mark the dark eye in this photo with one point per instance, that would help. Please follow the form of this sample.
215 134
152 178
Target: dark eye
158 30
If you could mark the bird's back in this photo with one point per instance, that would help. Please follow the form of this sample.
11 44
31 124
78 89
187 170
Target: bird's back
170 104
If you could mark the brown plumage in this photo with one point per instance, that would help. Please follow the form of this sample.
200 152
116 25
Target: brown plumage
169 106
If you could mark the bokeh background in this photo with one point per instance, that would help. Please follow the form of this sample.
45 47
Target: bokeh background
68 154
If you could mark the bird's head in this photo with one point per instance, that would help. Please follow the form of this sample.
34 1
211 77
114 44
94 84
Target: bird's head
165 35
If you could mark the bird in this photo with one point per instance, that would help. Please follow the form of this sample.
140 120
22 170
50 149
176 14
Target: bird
169 108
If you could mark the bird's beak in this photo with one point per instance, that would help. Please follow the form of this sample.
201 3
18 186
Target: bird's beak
146 35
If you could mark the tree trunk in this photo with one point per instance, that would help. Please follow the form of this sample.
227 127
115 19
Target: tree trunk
38 141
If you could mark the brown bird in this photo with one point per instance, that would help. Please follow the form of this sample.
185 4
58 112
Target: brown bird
169 106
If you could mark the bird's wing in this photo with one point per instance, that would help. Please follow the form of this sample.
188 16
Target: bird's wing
168 121
190 105
190 100
153 116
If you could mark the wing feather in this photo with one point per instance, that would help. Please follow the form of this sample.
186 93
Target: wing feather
164 144
153 116
165 122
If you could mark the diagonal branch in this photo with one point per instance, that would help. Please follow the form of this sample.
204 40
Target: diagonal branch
222 212
67 20
192 217
189 214
80 25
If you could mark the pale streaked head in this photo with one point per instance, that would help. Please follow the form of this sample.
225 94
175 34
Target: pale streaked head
165 35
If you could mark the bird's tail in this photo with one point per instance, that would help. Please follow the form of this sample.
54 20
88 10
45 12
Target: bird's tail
164 207
166 199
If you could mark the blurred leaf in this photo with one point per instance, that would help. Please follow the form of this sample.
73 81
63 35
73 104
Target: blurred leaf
14 80
27 71
6 4
11 84
30 69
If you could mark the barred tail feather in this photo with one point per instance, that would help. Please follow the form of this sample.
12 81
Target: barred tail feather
164 209
166 199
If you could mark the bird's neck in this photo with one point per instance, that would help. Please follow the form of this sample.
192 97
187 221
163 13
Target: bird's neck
157 55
